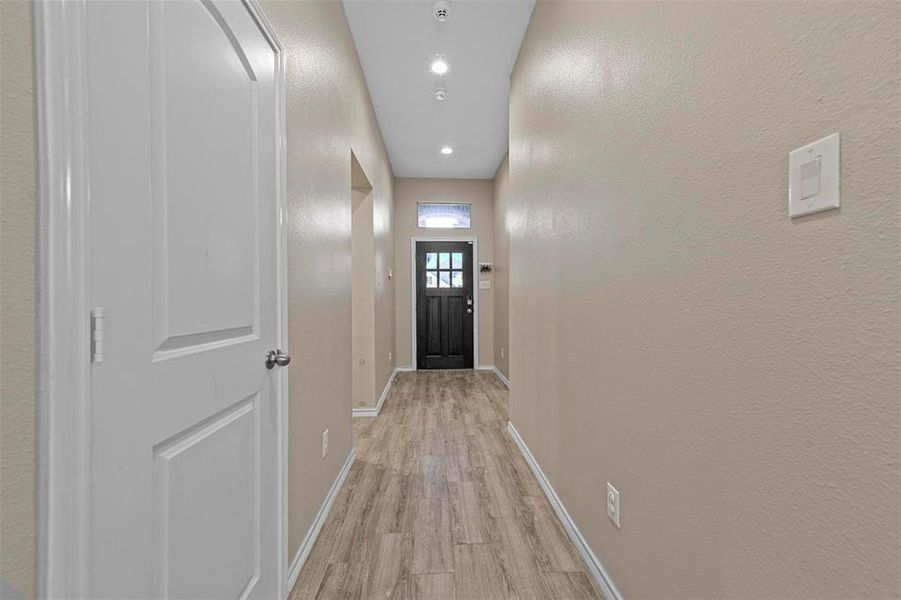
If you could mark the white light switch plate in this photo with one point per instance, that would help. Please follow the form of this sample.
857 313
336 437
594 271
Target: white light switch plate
813 177
613 504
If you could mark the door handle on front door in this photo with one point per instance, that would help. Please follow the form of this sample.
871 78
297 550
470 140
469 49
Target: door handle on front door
277 357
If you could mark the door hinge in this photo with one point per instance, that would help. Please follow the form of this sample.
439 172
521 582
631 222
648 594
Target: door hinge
98 334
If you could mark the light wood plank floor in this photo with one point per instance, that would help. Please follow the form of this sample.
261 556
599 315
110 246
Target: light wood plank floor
440 504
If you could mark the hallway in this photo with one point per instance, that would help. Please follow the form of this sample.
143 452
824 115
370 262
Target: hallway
440 504
467 299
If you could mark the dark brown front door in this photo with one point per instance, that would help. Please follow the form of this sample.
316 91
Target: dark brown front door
444 305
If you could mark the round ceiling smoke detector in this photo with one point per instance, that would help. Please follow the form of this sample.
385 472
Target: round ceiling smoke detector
440 94
441 10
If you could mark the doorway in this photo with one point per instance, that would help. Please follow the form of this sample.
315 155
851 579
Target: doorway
445 304
362 287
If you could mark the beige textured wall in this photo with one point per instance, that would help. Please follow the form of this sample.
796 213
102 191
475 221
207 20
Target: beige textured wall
17 294
736 374
384 261
329 115
501 273
409 191
363 299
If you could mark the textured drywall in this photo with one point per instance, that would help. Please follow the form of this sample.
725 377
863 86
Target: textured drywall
329 115
501 272
734 373
17 266
409 191
363 299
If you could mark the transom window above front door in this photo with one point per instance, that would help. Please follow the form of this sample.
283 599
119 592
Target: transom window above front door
444 270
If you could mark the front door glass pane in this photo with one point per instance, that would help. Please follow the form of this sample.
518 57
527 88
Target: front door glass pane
444 260
431 279
431 260
444 279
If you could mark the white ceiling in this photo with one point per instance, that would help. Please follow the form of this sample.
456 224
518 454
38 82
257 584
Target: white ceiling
396 41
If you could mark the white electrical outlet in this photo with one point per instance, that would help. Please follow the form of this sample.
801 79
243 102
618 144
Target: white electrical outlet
502 353
390 357
325 443
613 504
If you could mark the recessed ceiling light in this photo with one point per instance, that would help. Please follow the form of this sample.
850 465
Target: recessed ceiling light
439 66
447 150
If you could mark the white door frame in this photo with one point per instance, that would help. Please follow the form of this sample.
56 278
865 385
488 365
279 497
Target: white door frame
63 315
475 288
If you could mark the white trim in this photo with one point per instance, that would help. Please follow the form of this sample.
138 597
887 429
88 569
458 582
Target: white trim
594 567
502 377
374 412
62 316
63 333
475 286
300 557
405 369
365 412
281 200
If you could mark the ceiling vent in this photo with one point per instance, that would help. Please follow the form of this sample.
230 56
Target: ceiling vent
441 10
440 94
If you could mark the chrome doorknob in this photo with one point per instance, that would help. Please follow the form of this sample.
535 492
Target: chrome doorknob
277 357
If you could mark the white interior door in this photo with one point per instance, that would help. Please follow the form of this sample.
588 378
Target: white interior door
184 416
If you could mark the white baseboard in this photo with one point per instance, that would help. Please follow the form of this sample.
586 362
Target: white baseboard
365 412
307 545
594 567
485 368
404 369
374 412
502 377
